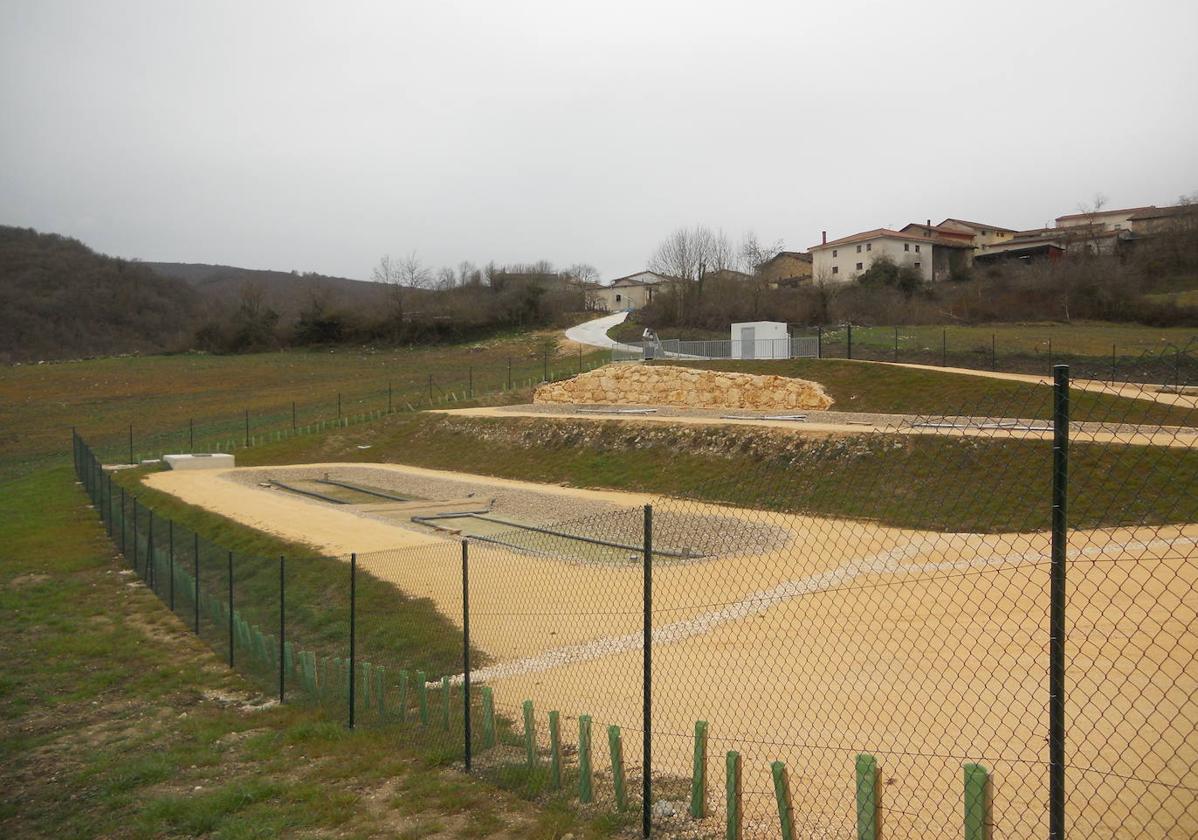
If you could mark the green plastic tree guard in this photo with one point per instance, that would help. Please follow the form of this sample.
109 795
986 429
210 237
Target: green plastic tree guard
616 747
555 751
733 807
868 811
698 808
488 718
422 697
586 790
530 735
782 795
977 802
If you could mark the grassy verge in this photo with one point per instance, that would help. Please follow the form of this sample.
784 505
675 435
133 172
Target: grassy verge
886 389
116 722
940 483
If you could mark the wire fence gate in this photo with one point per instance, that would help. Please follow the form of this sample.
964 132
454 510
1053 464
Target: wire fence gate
995 635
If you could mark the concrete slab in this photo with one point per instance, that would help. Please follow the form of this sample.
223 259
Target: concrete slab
200 461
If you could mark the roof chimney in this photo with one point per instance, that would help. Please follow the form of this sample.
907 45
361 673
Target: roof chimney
929 227
824 240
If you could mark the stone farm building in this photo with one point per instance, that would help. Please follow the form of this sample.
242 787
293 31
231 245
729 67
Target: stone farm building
630 292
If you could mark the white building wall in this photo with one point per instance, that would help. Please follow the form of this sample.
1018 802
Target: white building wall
839 264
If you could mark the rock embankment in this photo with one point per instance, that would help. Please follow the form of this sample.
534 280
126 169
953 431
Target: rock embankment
666 385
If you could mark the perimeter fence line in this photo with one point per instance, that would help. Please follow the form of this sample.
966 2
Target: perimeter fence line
1015 657
1172 364
252 427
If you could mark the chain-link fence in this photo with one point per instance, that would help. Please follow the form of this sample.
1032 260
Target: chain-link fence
983 624
268 423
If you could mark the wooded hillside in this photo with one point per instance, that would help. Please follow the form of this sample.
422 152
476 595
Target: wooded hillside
60 299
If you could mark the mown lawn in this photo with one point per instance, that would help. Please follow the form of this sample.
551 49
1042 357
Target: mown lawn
116 722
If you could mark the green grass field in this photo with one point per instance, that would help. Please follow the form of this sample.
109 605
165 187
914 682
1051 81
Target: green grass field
159 395
115 721
1130 352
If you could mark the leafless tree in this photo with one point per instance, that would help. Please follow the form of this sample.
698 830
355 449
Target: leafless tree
583 272
447 278
755 253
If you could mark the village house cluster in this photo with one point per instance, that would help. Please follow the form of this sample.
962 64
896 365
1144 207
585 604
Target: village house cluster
936 251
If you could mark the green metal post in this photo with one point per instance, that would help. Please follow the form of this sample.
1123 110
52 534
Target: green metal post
1057 593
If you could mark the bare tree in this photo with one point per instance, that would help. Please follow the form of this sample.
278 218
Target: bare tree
755 253
583 272
447 278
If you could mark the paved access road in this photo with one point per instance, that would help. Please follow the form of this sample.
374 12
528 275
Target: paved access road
594 333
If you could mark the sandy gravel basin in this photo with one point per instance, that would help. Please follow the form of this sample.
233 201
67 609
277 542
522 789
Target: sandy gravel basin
808 640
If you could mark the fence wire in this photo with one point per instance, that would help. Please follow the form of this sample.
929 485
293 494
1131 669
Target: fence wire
887 665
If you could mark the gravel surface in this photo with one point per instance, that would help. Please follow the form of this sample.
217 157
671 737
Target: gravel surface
680 535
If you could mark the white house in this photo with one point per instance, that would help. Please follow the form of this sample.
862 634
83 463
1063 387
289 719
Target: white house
845 259
630 292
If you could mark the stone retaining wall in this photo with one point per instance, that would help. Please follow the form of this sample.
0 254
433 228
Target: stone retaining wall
666 385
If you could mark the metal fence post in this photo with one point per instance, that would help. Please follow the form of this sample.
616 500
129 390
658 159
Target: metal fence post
390 408
338 405
848 341
819 341
647 710
131 443
544 365
111 518
282 627
150 553
230 609
124 553
430 389
195 547
509 373
293 415
466 646
191 434
994 351
170 536
135 535
353 615
1056 647
896 342
944 348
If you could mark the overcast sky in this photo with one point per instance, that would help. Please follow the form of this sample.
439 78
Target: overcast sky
319 136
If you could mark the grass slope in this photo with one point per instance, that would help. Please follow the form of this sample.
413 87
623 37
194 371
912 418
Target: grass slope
886 389
116 722
941 483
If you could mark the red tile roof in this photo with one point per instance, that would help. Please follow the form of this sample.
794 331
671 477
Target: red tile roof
1096 213
887 233
979 225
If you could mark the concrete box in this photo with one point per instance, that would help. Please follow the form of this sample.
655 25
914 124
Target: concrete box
200 461
760 340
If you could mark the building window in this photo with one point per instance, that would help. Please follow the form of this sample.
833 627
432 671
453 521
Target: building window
906 246
869 246
985 232
917 265
833 252
618 298
917 249
858 266
858 249
835 269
